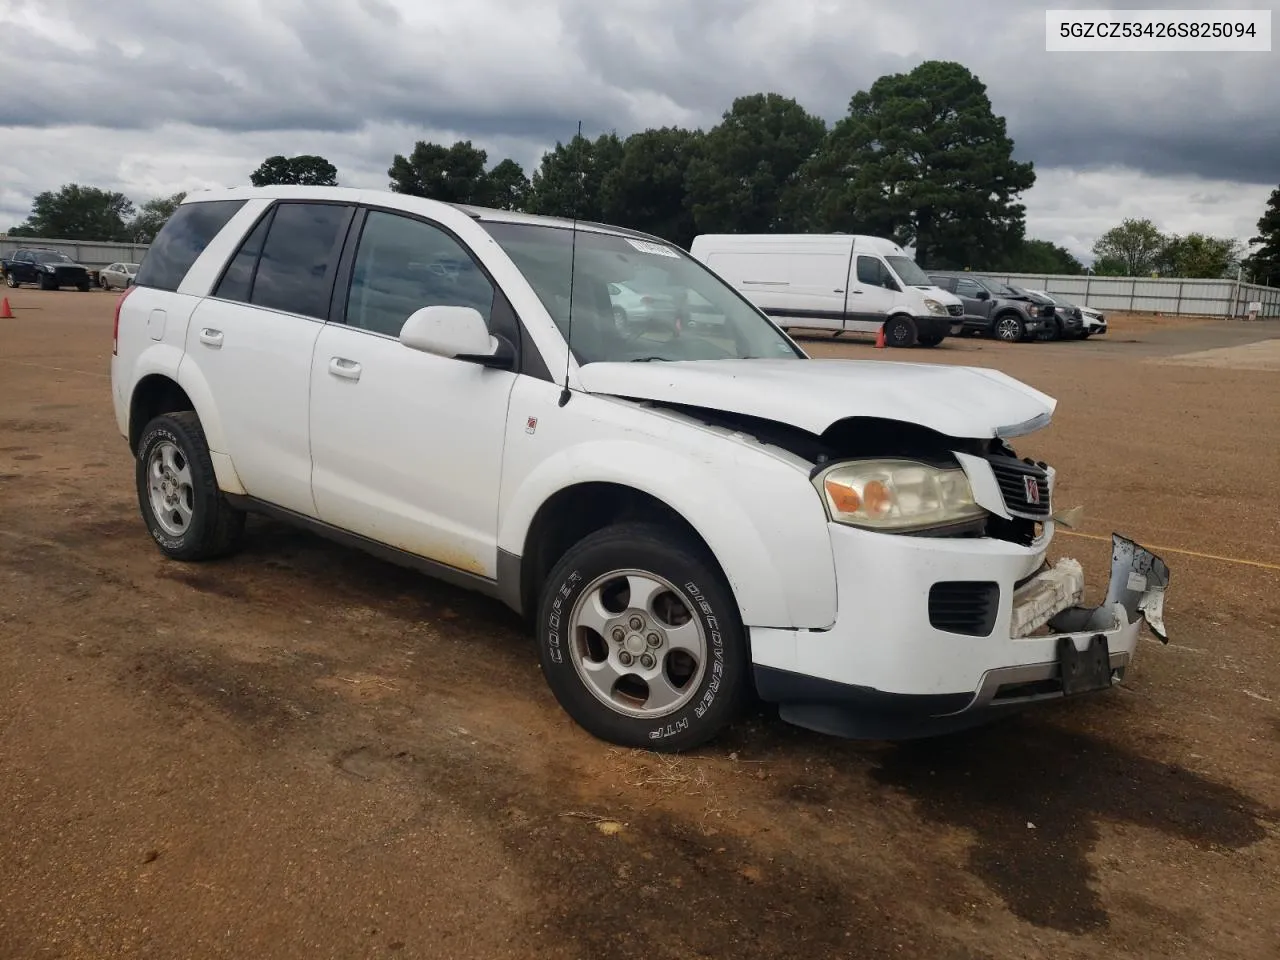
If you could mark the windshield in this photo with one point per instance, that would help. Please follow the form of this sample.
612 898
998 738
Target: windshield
50 256
131 267
909 272
636 299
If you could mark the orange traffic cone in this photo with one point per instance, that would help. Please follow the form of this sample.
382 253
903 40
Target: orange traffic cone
880 339
6 312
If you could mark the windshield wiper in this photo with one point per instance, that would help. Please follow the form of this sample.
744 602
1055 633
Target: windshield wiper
646 359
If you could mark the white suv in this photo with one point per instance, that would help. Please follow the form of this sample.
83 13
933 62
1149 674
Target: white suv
688 513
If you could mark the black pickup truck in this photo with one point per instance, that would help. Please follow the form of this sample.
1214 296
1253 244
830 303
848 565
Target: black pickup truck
51 269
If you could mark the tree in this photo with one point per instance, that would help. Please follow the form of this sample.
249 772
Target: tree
646 190
305 170
1199 257
1040 256
76 212
1134 247
1264 263
450 174
152 216
746 165
506 187
570 177
921 157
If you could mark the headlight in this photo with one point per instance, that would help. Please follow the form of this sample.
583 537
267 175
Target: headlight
48 268
934 306
897 496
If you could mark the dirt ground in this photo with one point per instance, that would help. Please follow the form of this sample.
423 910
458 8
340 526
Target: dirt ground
304 752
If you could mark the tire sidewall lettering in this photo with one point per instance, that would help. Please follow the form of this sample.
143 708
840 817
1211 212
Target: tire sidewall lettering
149 440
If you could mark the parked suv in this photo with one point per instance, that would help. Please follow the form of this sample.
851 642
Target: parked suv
50 269
683 513
996 309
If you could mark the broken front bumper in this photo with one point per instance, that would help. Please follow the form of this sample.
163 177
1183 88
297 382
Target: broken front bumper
880 673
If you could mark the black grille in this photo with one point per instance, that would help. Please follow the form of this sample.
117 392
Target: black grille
1013 476
955 309
964 607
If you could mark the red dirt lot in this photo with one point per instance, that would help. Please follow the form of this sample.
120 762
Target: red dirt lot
304 752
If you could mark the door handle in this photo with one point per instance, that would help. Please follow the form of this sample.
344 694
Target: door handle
837 290
858 292
342 367
212 337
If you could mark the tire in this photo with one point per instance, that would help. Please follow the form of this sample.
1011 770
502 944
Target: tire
930 341
10 281
705 694
84 286
1054 331
102 282
48 283
1010 328
900 331
210 526
620 318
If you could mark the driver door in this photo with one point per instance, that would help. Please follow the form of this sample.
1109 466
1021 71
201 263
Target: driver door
407 446
870 295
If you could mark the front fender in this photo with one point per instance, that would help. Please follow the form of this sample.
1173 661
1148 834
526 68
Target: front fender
760 517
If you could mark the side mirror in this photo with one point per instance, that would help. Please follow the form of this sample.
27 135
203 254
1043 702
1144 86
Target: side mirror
983 295
458 333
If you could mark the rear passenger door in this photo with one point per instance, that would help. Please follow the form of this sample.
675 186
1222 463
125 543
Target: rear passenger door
252 341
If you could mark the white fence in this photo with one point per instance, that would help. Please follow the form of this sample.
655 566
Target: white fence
90 253
1203 298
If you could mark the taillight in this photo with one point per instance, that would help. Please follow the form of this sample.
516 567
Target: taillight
115 330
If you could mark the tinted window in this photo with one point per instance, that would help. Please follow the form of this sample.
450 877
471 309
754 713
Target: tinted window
237 282
403 265
295 272
967 287
870 271
181 240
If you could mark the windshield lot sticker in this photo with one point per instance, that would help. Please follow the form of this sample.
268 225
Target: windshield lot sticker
644 246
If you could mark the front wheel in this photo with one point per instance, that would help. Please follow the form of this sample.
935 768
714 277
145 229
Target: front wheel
640 639
1010 328
900 331
178 493
84 286
930 341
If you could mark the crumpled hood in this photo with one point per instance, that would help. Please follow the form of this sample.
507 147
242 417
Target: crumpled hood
963 402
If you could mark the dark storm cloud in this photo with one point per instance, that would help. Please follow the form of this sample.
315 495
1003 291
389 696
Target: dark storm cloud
526 72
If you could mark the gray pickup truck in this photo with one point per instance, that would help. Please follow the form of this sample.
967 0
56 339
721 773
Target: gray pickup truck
998 310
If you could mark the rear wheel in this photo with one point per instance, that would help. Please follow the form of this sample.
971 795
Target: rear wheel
10 280
1010 328
84 286
900 331
640 640
178 493
931 341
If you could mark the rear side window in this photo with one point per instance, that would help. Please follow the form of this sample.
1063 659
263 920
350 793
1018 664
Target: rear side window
181 240
237 282
295 272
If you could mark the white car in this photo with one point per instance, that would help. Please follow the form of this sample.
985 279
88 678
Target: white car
1094 321
682 516
117 276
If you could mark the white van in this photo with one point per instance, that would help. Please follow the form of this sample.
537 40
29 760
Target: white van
836 282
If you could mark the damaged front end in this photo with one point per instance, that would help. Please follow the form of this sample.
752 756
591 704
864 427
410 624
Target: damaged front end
1138 583
1093 646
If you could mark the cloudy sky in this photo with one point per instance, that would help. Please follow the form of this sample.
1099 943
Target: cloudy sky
153 96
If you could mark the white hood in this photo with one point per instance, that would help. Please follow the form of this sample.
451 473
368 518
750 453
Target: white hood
964 402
